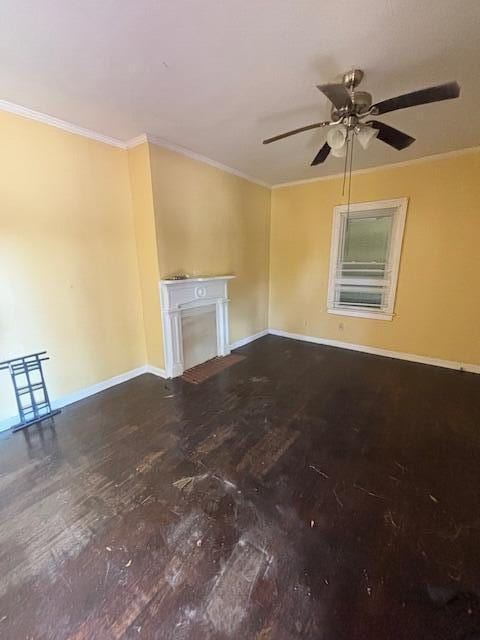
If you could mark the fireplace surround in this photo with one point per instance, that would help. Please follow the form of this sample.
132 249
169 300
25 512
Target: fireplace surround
179 296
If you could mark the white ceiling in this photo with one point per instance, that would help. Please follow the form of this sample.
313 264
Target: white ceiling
218 76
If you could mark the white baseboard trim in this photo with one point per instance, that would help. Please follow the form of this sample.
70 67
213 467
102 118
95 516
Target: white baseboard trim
7 423
90 391
412 357
161 373
243 341
157 371
96 388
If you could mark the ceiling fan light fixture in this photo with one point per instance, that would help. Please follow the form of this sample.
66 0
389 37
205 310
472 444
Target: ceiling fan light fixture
340 152
336 138
365 136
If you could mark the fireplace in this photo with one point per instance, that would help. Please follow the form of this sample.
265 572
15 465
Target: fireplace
195 321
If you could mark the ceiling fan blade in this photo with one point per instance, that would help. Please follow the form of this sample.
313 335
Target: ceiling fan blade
395 138
322 155
337 94
280 136
423 96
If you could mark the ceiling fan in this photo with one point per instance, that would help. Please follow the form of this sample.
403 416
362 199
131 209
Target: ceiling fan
351 108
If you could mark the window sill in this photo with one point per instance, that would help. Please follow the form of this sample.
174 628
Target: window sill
358 313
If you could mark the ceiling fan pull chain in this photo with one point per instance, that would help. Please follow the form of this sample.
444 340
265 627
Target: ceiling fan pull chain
350 174
345 163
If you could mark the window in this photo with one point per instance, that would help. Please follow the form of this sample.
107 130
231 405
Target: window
364 259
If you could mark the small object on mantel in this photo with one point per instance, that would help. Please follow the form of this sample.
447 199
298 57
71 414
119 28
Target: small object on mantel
181 277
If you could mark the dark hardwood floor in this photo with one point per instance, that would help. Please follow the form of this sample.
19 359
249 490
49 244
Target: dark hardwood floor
306 492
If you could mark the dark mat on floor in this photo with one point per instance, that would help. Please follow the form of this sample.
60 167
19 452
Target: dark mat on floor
206 370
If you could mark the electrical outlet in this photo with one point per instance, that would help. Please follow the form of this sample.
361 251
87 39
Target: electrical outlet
340 326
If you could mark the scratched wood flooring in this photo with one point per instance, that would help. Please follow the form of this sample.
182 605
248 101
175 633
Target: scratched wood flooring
306 492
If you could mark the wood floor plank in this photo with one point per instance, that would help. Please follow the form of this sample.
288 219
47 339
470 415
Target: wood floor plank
305 493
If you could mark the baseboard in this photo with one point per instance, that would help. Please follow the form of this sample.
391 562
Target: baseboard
63 401
90 391
161 373
99 386
243 341
7 423
412 357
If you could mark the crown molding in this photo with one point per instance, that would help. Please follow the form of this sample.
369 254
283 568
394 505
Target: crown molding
18 110
135 142
166 144
25 112
391 165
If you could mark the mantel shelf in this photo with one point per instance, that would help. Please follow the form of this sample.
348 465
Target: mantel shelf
170 281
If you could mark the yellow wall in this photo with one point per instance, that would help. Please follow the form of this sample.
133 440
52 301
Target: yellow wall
210 222
68 268
438 303
147 251
87 230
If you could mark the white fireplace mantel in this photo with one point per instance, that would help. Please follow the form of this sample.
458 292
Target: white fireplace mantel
179 295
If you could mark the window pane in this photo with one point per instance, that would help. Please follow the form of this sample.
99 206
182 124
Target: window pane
360 296
362 270
367 240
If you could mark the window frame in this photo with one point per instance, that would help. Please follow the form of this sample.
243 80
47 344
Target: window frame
360 210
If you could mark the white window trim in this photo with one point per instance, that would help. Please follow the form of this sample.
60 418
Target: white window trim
358 209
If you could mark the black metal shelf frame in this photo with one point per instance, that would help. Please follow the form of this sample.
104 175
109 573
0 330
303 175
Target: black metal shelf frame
30 389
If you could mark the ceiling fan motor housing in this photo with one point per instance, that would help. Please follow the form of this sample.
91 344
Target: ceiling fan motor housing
362 101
